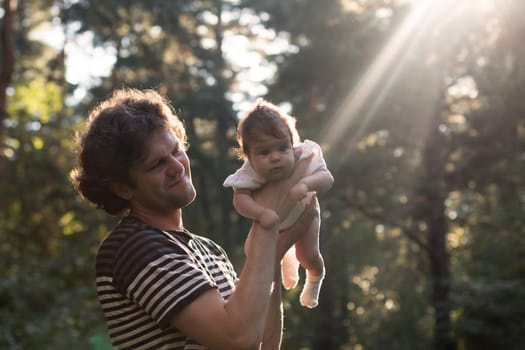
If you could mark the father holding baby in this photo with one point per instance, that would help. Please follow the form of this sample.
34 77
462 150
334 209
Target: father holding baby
161 286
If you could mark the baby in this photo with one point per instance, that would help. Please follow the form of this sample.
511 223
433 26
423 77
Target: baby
269 143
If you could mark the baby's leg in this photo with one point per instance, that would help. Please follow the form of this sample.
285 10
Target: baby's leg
290 269
308 254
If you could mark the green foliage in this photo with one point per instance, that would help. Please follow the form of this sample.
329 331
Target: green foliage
416 157
491 313
435 145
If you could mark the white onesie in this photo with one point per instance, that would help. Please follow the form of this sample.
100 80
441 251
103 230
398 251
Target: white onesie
247 179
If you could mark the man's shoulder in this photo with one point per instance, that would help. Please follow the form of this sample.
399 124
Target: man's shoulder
208 242
126 228
128 235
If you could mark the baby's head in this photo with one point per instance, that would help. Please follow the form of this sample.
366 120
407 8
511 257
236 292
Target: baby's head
265 119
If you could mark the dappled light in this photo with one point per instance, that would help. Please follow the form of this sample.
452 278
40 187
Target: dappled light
417 104
425 39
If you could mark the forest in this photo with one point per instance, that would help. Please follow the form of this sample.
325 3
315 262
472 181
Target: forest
419 107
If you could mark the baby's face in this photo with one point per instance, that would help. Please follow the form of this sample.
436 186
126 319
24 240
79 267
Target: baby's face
271 157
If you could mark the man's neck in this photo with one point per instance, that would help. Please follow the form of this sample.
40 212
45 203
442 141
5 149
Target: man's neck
166 222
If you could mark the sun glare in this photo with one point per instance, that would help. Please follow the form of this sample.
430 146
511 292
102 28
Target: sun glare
431 24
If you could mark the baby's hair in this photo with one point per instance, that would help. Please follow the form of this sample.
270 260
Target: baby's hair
267 119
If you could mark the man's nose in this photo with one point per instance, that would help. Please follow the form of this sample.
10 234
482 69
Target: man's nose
175 165
275 155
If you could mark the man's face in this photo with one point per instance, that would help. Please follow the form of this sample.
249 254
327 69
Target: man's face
163 177
271 157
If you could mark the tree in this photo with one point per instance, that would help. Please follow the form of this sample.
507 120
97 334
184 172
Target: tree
8 60
418 107
402 141
45 260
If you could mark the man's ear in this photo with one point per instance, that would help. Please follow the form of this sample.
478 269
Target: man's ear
121 190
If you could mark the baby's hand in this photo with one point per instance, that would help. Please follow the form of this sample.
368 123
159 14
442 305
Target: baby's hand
268 219
299 191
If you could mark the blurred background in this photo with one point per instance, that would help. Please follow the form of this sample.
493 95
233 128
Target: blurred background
419 107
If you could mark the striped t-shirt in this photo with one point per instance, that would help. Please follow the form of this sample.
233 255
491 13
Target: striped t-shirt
145 276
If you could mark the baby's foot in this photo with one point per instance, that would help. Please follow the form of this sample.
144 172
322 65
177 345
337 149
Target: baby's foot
290 269
310 294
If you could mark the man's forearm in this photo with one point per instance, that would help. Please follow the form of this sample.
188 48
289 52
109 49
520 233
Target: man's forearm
274 320
251 301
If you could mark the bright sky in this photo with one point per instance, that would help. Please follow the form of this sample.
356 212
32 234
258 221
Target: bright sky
86 64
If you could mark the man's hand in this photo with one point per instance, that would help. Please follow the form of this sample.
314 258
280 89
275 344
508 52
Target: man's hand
289 236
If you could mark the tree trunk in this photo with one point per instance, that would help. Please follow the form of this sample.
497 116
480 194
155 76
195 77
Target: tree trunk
440 281
434 193
225 121
8 60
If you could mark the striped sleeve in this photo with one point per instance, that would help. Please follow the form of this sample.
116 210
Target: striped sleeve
159 275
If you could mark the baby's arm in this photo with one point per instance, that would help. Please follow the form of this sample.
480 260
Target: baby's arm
319 181
245 205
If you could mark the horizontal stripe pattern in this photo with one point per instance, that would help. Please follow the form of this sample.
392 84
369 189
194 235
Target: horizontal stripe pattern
145 276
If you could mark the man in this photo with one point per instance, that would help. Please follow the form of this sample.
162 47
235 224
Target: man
160 286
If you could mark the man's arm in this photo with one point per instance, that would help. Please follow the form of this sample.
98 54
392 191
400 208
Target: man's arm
239 322
274 322
273 329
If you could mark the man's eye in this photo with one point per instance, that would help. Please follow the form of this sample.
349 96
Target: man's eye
284 148
156 165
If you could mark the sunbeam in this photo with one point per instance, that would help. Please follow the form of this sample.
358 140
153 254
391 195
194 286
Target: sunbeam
425 19
375 83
